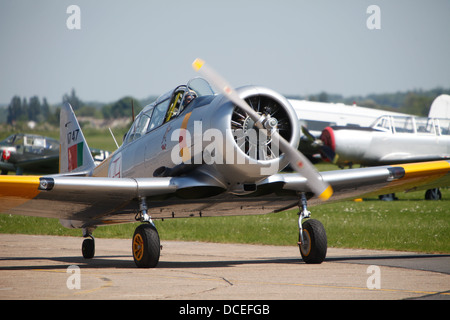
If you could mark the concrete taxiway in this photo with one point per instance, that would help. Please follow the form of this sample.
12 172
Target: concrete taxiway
48 267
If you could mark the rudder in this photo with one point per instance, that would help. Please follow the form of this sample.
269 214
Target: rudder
75 155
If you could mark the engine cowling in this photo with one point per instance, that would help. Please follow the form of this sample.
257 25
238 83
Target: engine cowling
249 154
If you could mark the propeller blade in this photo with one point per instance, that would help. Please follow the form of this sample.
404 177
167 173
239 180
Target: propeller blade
320 146
223 86
308 134
297 160
329 154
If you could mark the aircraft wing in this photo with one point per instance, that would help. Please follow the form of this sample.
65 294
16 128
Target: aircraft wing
96 201
404 158
74 197
373 181
7 166
36 164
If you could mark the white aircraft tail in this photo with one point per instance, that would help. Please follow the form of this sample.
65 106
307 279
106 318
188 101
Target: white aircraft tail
74 152
440 108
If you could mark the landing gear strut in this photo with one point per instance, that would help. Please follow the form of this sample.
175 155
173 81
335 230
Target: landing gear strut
312 236
145 245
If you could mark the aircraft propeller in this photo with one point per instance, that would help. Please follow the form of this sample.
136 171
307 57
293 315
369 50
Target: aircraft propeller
318 144
296 159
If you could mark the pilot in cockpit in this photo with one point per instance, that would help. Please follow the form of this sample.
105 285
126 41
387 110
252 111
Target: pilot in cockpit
189 96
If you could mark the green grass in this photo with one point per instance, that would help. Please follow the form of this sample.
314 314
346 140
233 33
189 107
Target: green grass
409 224
95 138
103 139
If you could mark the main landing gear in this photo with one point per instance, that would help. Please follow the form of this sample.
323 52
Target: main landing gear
88 246
146 246
312 240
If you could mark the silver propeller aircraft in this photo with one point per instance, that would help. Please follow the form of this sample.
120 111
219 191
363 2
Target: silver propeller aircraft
31 153
197 153
28 152
390 139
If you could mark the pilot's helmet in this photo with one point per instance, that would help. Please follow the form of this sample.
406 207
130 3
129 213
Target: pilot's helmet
190 95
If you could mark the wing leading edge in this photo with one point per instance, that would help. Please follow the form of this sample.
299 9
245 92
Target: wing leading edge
70 197
373 181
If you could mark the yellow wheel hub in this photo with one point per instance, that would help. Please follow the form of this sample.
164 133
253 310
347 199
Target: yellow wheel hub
138 247
306 246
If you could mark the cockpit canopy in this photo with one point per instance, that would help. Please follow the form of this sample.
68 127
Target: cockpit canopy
167 107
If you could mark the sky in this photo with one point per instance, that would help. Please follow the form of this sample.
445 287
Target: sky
145 47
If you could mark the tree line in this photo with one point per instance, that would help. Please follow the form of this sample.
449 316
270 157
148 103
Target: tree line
416 102
22 110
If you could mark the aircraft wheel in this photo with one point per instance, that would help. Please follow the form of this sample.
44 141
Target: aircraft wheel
88 248
388 197
314 247
146 246
433 194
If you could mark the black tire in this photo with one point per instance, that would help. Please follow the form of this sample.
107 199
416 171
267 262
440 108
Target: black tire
88 248
388 197
433 194
314 249
146 246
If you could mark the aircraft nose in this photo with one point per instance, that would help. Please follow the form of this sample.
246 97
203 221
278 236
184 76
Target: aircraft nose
328 150
328 139
271 123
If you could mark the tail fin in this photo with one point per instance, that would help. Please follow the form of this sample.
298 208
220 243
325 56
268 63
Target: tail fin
440 108
75 155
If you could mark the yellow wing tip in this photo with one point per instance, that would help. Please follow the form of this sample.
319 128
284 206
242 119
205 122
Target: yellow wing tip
197 64
326 194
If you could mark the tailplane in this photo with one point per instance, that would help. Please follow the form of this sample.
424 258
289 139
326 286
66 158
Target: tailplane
75 155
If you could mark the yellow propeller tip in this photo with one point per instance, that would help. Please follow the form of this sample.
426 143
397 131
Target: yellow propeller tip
336 158
326 194
197 64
